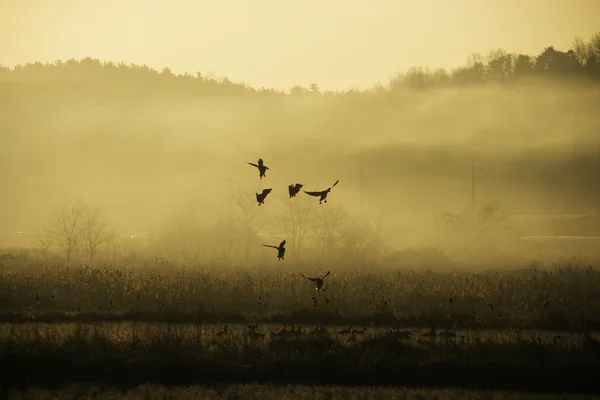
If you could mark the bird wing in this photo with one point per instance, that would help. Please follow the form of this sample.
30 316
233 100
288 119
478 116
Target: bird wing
266 191
310 279
312 193
336 182
282 243
326 275
268 245
254 165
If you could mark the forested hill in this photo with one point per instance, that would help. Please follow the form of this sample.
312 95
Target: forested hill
582 61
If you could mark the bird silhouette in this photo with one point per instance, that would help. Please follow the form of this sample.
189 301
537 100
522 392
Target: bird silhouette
323 193
262 168
262 196
254 334
223 332
280 249
294 189
318 281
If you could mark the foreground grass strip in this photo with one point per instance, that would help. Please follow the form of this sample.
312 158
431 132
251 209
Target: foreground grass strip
256 391
123 355
57 372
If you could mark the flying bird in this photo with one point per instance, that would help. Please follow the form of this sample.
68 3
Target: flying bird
323 193
262 196
294 189
262 168
318 281
280 249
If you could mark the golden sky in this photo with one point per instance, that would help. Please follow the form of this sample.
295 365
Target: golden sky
336 43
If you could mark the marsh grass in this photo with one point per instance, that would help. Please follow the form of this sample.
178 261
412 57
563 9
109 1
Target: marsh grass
530 329
565 297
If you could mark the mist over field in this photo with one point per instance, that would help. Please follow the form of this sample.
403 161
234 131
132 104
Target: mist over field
163 153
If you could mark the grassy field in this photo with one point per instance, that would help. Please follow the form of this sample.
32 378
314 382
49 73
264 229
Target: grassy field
532 329
267 392
565 297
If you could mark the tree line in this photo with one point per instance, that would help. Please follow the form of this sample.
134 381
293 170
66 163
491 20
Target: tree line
76 227
581 61
79 232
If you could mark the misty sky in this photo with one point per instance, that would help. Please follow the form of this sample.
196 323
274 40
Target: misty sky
274 43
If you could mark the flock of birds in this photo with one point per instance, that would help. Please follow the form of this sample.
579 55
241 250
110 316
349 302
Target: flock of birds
293 190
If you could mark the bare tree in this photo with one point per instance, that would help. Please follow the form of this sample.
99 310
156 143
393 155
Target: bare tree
249 215
475 59
224 238
188 231
581 50
594 46
296 223
44 239
331 220
95 231
68 225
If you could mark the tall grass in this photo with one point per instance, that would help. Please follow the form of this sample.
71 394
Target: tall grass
131 353
563 297
161 323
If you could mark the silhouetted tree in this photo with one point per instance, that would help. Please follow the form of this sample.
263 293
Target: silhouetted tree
551 61
581 50
592 65
224 238
297 90
95 231
68 225
249 215
500 65
523 65
44 240
330 221
314 88
296 220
